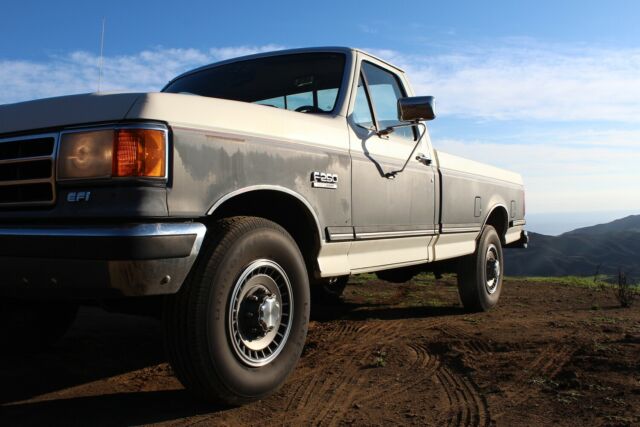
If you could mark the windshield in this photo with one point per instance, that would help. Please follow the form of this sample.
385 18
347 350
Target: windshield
305 82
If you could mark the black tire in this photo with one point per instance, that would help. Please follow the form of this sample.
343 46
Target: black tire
29 326
328 291
479 278
198 330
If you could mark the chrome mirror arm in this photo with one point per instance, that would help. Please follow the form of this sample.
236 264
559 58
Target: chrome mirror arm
390 129
392 174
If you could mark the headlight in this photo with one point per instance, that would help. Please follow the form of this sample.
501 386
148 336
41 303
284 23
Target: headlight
86 154
106 153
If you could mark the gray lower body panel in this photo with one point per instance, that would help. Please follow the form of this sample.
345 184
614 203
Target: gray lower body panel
98 261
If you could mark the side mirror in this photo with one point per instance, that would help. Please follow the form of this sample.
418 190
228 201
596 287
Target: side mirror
416 108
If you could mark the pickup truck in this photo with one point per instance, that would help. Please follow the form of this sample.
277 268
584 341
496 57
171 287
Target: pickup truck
231 200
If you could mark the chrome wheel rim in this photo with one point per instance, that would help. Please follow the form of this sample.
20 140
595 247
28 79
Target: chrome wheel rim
493 272
260 313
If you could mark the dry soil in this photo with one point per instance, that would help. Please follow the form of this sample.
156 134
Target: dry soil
549 354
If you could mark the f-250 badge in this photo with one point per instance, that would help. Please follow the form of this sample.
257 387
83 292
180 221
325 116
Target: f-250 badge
324 180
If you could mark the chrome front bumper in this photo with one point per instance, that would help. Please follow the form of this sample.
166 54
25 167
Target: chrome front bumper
98 261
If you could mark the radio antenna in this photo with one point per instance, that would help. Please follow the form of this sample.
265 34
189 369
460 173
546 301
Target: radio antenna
101 56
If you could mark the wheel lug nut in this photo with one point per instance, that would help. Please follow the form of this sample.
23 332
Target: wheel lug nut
249 314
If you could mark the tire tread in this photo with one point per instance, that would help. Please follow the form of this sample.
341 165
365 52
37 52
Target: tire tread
185 336
471 291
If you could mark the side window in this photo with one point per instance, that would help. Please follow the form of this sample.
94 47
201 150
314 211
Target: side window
273 102
361 110
385 90
327 99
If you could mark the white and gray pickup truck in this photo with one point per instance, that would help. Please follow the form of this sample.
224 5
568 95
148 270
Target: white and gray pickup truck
233 198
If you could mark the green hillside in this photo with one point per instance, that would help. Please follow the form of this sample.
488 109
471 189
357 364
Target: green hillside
604 248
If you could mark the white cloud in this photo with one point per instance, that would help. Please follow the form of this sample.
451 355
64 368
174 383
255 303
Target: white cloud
575 138
564 176
524 80
368 29
77 72
508 80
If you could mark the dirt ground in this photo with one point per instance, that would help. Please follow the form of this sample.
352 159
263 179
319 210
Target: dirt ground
550 354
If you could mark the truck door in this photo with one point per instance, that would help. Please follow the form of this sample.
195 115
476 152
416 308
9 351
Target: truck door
400 208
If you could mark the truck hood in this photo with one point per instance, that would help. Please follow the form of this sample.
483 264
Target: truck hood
65 111
233 118
238 120
176 109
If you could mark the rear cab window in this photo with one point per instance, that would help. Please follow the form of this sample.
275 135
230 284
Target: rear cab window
305 82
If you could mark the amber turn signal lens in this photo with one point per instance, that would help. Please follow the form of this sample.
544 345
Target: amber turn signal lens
139 152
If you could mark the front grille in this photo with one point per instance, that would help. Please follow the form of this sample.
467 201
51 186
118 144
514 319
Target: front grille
26 171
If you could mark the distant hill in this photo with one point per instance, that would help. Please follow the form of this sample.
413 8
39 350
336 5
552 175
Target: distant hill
606 248
629 223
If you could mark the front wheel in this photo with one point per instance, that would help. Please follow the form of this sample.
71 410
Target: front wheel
480 274
236 329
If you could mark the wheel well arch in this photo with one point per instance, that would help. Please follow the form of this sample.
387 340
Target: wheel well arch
499 219
282 206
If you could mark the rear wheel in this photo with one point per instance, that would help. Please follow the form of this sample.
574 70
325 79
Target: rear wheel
29 326
236 329
480 275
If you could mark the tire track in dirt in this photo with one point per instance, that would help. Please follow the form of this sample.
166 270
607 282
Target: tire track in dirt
322 388
325 395
345 329
348 385
422 368
467 341
559 358
393 330
305 384
334 388
423 364
547 364
466 406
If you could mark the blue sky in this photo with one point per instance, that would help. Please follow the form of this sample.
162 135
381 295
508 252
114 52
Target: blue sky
550 89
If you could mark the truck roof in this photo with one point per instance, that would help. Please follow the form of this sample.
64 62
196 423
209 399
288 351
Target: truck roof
341 49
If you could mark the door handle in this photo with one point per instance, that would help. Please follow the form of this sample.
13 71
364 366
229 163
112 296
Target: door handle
423 159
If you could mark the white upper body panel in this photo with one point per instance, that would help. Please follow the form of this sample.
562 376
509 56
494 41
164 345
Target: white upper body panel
460 164
65 111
